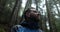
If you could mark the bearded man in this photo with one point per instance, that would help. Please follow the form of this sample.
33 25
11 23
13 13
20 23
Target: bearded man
30 23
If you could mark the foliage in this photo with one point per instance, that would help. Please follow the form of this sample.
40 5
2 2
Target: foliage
48 13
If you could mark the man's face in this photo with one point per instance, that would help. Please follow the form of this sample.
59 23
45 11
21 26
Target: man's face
34 14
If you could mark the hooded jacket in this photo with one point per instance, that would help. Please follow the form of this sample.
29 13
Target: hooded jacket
26 27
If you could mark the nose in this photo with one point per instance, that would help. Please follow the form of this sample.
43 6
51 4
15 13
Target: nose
37 14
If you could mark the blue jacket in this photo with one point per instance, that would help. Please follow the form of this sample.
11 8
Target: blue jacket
19 28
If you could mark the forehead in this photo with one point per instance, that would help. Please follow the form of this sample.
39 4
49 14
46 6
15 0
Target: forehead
34 10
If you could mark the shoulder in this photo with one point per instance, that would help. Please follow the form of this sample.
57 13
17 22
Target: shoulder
16 27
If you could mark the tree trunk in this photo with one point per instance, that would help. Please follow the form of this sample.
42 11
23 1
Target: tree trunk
36 1
56 7
28 4
50 18
15 11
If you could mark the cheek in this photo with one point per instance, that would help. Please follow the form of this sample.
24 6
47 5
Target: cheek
32 15
28 14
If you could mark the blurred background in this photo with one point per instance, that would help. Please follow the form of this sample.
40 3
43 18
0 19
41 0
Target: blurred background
11 12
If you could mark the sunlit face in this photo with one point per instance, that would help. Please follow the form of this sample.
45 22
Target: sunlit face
34 15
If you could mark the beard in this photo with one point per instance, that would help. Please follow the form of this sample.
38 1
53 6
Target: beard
34 19
31 22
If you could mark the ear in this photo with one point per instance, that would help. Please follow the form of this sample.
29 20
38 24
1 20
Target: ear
27 14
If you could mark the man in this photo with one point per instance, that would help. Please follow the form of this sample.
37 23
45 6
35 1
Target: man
30 23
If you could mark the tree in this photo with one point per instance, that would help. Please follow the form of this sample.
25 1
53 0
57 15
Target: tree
50 18
55 3
15 11
28 4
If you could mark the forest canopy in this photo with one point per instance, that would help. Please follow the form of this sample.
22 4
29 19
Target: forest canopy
11 12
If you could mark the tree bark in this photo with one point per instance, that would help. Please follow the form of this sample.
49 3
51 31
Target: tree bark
50 18
56 7
28 4
15 11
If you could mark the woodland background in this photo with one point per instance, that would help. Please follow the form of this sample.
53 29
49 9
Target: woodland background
11 12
